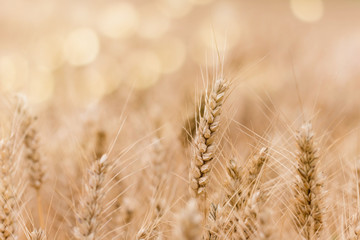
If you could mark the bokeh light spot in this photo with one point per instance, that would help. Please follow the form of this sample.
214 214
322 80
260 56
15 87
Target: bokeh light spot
81 47
172 52
119 20
200 2
41 87
92 85
143 69
219 33
152 25
174 8
14 72
307 10
48 52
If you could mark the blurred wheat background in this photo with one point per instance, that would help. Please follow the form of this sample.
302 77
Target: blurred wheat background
102 108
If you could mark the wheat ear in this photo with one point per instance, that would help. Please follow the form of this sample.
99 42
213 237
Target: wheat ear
248 217
156 176
188 222
308 204
7 194
243 195
352 229
266 228
91 207
352 226
219 223
31 141
233 186
242 182
204 144
152 229
32 155
38 234
254 170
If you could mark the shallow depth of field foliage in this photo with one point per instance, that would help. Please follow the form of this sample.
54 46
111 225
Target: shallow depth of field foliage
179 119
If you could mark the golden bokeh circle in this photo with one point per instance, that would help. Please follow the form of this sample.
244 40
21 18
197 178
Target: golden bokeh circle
118 20
81 47
172 53
307 10
143 69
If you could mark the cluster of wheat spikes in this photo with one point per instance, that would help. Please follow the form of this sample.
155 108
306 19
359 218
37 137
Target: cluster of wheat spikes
119 196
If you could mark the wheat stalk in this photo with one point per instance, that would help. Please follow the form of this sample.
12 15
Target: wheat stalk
100 143
31 142
8 203
242 182
352 225
156 174
152 230
243 195
32 155
248 222
204 144
91 207
308 204
219 222
233 186
254 170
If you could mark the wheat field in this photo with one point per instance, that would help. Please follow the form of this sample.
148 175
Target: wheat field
179 119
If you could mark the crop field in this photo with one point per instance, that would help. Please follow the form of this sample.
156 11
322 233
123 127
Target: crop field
180 119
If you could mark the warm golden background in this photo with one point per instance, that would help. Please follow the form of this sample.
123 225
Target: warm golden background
299 56
83 63
85 50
